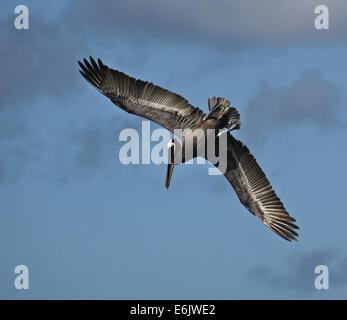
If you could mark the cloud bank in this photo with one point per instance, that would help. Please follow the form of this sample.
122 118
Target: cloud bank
309 99
298 273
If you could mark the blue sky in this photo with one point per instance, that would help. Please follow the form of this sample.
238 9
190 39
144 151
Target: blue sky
89 227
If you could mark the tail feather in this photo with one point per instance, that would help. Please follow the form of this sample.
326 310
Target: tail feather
221 109
234 122
214 102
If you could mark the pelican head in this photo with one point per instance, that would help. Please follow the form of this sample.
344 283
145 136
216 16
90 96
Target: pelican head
172 145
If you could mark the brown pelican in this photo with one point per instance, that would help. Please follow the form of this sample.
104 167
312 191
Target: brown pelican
174 112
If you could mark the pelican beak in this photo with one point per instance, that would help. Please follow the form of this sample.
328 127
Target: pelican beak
169 172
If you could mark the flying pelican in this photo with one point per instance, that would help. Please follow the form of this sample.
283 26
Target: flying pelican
174 112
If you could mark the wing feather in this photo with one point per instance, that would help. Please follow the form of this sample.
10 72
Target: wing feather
140 97
255 191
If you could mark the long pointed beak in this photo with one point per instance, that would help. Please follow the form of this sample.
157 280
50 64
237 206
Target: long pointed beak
169 172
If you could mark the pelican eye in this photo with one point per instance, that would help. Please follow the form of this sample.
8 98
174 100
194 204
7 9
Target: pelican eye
170 144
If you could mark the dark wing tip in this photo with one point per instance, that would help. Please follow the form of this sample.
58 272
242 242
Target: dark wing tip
91 66
80 64
284 229
101 65
91 72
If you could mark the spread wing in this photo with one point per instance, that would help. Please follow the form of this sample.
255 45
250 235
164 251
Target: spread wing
255 192
141 98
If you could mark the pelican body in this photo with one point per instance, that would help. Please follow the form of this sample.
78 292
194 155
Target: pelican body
196 142
175 113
